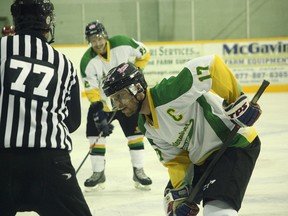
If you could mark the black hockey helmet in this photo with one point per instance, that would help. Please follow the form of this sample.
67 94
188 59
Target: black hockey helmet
8 30
122 76
95 28
35 15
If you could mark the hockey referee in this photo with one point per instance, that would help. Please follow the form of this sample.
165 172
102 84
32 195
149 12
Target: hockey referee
39 107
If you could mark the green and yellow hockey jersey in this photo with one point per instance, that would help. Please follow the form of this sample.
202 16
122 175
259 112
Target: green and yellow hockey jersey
187 121
94 67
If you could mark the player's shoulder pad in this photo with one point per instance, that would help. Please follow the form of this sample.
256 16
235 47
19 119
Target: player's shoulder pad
120 40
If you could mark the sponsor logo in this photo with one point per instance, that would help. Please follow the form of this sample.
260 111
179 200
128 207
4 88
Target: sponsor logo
185 135
255 48
67 175
239 111
210 183
123 68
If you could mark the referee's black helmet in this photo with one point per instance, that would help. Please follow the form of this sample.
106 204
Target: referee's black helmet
33 15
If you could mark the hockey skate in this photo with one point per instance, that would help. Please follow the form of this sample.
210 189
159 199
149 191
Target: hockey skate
141 180
95 182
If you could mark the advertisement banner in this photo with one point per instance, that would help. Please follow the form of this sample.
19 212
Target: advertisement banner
250 60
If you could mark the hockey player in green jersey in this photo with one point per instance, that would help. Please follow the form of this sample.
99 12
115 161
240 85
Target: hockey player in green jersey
186 119
104 54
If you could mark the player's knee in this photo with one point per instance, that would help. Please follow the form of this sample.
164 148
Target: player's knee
218 208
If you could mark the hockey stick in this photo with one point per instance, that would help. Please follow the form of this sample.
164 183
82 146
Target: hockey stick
228 140
100 135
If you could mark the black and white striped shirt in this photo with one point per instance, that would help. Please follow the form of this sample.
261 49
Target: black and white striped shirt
39 95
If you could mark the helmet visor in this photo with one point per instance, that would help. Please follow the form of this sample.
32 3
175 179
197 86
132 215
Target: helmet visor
123 97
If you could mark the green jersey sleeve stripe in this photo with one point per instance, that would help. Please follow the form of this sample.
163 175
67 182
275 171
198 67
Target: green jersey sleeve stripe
88 55
121 40
218 125
170 89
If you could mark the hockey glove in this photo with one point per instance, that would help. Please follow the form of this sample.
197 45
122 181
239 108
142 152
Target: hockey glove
100 119
186 209
174 202
242 112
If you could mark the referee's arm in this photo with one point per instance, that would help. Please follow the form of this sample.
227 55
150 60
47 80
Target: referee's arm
73 121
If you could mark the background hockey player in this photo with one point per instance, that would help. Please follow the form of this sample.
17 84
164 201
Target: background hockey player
8 30
186 119
104 54
39 107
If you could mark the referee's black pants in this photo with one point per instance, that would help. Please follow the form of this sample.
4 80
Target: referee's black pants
43 181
